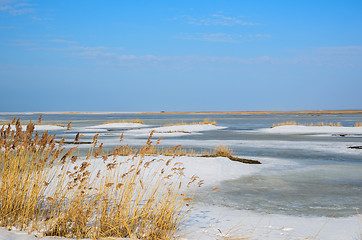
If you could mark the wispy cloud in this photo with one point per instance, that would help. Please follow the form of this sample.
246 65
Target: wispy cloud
15 7
111 58
339 56
222 37
22 43
216 20
341 50
212 37
62 41
348 56
342 56
7 27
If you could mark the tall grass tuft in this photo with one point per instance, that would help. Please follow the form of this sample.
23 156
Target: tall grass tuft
125 121
319 124
57 193
358 124
205 122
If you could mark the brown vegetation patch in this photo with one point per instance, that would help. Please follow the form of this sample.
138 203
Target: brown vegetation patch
54 193
223 151
125 121
205 122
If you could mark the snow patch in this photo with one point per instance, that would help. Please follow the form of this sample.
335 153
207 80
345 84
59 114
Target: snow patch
206 222
116 126
174 131
298 129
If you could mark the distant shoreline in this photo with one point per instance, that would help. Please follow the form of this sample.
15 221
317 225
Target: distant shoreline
258 112
197 112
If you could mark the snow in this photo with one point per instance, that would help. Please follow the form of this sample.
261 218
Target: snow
116 126
211 222
103 128
206 222
299 129
174 131
212 170
18 235
48 128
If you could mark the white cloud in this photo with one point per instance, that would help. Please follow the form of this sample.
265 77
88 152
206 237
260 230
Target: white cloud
62 41
341 50
108 57
212 37
216 20
15 7
7 27
222 37
341 56
22 43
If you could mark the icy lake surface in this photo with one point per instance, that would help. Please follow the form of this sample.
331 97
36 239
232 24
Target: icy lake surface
310 173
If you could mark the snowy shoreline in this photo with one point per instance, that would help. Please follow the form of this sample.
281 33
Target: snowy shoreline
208 221
308 130
212 222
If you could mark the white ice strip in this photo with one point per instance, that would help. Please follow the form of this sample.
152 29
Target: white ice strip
88 130
48 127
299 129
117 126
213 222
177 130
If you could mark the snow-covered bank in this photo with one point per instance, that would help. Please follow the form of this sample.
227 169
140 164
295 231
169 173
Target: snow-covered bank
211 170
209 222
107 127
173 131
117 126
299 129
140 130
19 235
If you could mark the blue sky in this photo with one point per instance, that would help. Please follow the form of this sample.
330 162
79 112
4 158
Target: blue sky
89 55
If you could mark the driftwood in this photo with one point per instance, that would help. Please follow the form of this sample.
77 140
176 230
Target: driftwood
243 160
355 147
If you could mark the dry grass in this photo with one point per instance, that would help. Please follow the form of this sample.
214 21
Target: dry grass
206 121
55 193
319 124
125 121
358 124
39 122
153 151
223 151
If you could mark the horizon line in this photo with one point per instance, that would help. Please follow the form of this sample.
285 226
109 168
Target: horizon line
189 112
